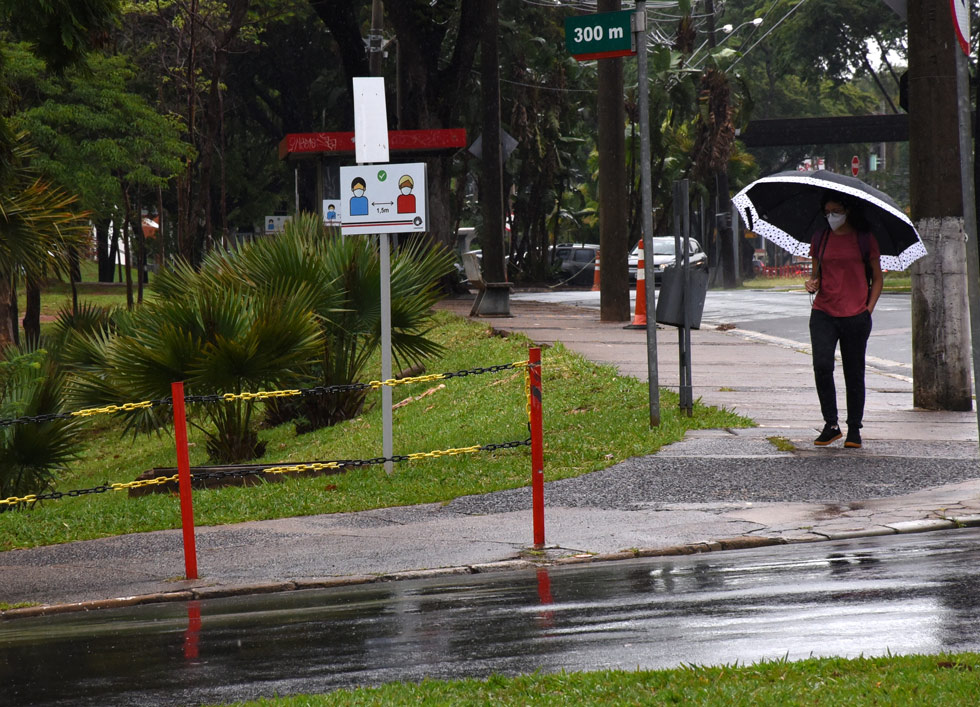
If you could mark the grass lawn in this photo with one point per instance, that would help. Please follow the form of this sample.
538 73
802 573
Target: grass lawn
891 680
593 418
895 282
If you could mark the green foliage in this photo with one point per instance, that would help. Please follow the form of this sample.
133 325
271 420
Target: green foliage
31 455
217 337
95 132
343 277
298 310
61 31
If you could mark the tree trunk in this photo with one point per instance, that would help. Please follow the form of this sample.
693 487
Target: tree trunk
74 276
7 330
127 224
13 316
614 301
103 252
940 322
32 313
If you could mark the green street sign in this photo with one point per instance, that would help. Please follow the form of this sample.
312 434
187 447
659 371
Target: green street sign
600 36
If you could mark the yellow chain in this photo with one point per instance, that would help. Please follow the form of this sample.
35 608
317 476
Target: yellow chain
443 453
315 466
155 481
527 392
392 382
125 407
267 394
13 500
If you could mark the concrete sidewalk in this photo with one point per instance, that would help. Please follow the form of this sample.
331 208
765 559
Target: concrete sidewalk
717 489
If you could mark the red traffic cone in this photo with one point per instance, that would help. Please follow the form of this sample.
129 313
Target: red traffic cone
595 273
640 308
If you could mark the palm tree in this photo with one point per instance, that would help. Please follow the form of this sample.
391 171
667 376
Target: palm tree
216 337
344 276
31 454
37 227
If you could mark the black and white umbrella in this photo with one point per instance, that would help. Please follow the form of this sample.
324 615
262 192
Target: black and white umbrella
785 209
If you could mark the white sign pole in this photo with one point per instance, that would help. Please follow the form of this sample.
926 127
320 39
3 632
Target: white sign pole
371 145
387 444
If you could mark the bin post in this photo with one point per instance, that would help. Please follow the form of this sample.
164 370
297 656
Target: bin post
184 480
537 444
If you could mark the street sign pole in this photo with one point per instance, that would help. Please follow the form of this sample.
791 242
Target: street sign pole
646 200
387 417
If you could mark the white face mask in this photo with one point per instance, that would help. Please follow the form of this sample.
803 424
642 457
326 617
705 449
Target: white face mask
836 220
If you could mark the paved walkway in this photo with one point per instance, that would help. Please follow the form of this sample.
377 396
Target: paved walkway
917 471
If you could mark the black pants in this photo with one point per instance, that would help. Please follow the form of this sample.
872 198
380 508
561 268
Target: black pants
852 333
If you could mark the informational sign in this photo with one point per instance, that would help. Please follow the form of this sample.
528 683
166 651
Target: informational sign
383 198
961 21
600 36
331 212
855 165
370 119
275 224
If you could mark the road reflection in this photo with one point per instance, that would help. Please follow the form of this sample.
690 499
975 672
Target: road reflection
908 594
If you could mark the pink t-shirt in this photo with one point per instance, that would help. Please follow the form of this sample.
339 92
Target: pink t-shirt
843 282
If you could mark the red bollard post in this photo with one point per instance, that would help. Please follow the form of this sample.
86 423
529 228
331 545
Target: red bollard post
184 480
537 445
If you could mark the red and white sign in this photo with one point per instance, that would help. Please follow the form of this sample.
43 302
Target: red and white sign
961 21
855 165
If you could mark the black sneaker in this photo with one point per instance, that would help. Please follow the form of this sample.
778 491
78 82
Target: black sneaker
831 433
853 438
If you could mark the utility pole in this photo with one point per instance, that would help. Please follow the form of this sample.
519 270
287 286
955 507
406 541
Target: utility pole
497 300
376 37
940 323
722 202
614 298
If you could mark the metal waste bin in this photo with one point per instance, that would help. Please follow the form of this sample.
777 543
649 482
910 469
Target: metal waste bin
669 310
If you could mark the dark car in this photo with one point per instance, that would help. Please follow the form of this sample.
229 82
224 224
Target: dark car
575 262
664 256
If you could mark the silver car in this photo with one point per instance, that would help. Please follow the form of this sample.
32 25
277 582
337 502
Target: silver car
664 256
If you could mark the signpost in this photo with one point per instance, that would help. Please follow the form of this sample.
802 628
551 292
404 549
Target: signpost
600 36
383 198
855 166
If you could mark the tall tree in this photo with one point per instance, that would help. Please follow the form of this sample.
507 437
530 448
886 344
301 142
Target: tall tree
95 133
35 218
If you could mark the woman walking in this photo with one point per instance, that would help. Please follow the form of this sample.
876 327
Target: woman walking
847 282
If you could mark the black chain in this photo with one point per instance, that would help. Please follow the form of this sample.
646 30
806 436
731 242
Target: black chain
240 473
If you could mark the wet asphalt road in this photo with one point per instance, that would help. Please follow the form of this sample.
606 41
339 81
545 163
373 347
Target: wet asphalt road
899 594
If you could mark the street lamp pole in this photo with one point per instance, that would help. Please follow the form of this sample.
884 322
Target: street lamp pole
646 206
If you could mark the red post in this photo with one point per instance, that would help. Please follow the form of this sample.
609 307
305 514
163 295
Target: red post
537 446
184 480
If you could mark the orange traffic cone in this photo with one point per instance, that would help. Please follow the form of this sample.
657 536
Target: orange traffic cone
595 273
640 308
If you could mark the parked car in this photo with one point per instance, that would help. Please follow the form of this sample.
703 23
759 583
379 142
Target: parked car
575 262
664 256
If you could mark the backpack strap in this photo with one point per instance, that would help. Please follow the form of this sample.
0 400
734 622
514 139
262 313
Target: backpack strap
817 247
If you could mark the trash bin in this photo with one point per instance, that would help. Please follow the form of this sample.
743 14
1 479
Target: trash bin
671 295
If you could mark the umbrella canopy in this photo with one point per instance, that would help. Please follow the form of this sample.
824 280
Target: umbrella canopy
785 209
